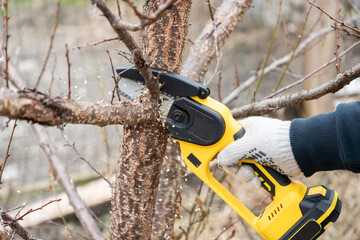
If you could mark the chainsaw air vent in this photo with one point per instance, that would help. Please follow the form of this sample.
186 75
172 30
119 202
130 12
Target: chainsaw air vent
275 212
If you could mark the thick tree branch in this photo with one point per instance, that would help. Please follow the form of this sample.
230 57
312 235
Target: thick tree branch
270 105
40 108
203 52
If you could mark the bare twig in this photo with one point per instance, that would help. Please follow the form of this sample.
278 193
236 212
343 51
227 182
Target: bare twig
6 70
50 46
270 105
347 31
68 66
220 81
334 19
145 20
34 210
246 84
237 78
294 50
7 155
52 76
337 46
72 146
313 72
269 51
96 43
116 87
118 8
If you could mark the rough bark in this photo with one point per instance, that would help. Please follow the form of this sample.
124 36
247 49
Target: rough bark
143 146
40 108
168 197
163 46
164 41
137 179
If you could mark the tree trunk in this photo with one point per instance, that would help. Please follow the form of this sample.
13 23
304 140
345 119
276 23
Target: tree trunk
143 146
137 178
163 46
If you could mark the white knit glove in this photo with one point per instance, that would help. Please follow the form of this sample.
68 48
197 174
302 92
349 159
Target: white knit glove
267 141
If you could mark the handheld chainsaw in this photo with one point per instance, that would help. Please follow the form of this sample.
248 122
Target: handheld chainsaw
203 127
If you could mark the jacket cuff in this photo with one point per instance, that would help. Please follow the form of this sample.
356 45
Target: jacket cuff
314 144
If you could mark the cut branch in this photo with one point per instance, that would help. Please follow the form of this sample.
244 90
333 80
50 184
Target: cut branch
40 108
270 105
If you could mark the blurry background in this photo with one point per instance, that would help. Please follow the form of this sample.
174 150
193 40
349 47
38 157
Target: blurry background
28 178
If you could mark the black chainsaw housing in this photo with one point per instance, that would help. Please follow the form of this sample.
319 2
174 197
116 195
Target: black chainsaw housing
193 122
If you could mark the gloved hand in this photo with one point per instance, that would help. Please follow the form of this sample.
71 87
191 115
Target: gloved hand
267 141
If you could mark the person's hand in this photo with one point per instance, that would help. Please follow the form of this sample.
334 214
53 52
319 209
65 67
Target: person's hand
267 141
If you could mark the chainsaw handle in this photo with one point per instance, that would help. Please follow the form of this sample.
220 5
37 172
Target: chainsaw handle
270 179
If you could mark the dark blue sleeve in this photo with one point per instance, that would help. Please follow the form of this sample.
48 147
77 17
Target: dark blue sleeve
328 141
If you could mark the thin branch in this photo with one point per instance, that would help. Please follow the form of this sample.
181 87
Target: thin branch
270 105
6 71
68 67
347 31
145 20
118 8
7 155
337 45
50 46
334 19
269 51
52 76
72 146
274 65
294 50
313 72
96 43
116 87
34 210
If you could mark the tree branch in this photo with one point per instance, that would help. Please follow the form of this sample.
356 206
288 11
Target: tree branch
37 107
270 105
128 40
203 51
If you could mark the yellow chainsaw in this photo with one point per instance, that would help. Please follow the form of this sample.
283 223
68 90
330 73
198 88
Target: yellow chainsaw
203 127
